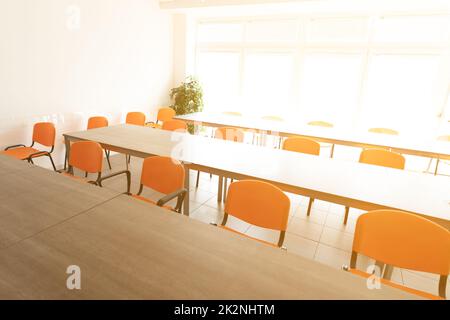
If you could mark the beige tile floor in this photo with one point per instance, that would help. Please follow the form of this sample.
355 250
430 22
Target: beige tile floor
321 236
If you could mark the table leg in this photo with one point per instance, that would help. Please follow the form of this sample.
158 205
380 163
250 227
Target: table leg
225 188
67 143
219 190
186 198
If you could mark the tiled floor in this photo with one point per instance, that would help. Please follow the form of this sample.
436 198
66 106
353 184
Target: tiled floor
321 236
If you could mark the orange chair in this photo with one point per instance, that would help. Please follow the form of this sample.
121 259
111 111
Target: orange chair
384 131
175 125
382 157
403 240
94 123
100 122
87 156
303 145
321 124
136 118
43 134
164 175
379 157
164 114
258 203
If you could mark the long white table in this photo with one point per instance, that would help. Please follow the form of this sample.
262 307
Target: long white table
425 145
129 249
351 184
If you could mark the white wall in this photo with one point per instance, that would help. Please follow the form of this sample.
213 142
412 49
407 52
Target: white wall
120 58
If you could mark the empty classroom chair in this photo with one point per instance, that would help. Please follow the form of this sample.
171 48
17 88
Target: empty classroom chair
175 125
99 122
136 118
164 175
382 157
87 156
94 123
43 134
379 157
321 124
303 145
403 240
258 203
164 114
384 131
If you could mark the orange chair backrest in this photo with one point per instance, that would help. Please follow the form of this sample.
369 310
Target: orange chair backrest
165 114
302 145
259 203
384 131
229 133
136 118
97 122
86 156
321 124
272 118
404 240
44 133
174 125
162 174
381 157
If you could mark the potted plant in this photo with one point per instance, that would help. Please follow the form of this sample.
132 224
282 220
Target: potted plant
187 98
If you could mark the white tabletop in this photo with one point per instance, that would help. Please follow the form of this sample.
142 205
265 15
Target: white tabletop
423 144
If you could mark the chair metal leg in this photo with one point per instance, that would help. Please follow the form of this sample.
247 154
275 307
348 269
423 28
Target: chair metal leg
51 160
310 204
198 179
347 210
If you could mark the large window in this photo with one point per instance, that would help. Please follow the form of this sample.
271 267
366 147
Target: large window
367 70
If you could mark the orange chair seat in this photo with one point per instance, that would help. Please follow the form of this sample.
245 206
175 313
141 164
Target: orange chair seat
20 153
398 286
151 201
243 234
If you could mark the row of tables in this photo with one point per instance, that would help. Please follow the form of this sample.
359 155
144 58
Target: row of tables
128 249
422 145
350 184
